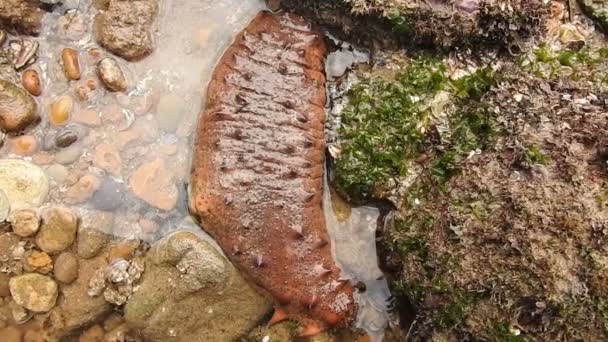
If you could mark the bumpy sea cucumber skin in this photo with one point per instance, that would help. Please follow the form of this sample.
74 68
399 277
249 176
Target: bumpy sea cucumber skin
258 168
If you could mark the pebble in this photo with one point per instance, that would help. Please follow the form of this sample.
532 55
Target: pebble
153 183
65 138
109 196
169 112
24 145
111 74
68 155
43 158
24 52
31 82
58 172
24 184
83 189
106 157
34 292
58 230
66 267
124 250
39 262
17 108
5 206
71 63
24 222
61 109
89 117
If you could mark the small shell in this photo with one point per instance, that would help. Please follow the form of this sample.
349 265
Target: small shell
71 63
31 82
25 52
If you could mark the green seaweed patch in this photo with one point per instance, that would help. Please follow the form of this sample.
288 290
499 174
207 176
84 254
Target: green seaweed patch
549 63
385 125
534 156
382 128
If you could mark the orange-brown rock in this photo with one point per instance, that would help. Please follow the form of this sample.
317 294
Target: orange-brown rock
258 169
153 183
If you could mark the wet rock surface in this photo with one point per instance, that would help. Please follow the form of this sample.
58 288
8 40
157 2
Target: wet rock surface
18 109
258 166
25 15
210 301
124 27
58 230
111 74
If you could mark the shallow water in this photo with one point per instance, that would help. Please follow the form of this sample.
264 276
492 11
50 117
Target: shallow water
190 37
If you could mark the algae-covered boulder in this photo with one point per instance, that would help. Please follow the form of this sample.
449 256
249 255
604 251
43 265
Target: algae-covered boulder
441 23
190 292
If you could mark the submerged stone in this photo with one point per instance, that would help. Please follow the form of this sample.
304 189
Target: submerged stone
23 183
17 108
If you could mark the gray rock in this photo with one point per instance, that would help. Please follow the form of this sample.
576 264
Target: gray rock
124 27
34 291
58 230
69 154
190 292
17 108
111 74
58 172
95 227
109 196
24 184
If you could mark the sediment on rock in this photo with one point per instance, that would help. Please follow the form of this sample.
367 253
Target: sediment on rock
23 15
441 24
596 11
258 168
124 27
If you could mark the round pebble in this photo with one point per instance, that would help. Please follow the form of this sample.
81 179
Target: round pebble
65 138
31 82
61 109
68 155
66 267
24 184
58 230
58 172
109 196
34 292
71 64
25 222
111 74
24 145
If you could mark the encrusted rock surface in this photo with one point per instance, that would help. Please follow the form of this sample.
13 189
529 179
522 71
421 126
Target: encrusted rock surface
25 15
124 27
190 292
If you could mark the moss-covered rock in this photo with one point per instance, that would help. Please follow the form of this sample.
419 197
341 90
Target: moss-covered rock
436 23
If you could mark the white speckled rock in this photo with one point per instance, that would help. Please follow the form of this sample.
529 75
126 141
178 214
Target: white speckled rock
34 291
24 184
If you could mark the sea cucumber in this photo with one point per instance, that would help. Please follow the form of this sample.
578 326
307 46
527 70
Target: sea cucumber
257 176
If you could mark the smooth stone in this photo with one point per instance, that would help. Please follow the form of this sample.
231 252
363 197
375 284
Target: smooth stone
111 74
58 172
170 111
184 274
153 183
65 139
34 291
25 222
109 195
58 230
66 267
68 155
17 108
24 184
